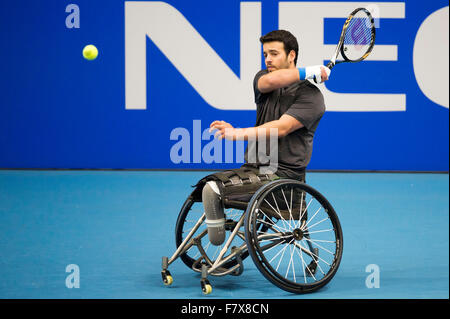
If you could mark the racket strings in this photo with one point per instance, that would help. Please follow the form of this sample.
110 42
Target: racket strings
358 37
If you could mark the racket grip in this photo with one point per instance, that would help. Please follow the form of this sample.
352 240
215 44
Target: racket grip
330 65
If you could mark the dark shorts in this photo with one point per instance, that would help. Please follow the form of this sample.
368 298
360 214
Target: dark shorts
237 186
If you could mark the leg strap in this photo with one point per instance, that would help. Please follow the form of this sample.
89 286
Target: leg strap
235 185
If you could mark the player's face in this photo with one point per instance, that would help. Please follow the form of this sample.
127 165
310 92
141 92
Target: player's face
275 56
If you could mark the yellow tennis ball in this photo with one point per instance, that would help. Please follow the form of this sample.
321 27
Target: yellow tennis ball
90 52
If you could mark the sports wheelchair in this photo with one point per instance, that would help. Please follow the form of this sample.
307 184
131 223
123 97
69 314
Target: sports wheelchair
290 231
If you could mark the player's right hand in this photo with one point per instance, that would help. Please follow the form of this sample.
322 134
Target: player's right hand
318 73
325 73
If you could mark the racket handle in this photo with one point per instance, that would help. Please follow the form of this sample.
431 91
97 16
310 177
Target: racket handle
330 65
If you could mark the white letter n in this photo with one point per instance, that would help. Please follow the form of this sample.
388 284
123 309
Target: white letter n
174 36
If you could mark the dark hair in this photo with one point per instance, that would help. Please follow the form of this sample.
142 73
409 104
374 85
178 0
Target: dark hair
288 39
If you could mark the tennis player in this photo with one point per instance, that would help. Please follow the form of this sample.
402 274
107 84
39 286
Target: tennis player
286 101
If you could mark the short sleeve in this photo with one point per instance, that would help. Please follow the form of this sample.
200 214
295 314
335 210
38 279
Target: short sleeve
308 107
258 95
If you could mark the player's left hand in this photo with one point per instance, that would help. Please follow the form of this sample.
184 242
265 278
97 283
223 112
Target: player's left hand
224 130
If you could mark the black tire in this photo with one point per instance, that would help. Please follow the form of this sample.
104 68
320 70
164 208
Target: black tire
190 213
316 243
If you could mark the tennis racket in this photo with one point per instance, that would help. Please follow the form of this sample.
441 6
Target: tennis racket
357 38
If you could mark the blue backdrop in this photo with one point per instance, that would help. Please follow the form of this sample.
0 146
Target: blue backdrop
58 110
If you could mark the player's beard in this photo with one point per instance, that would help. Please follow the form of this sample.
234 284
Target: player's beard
284 65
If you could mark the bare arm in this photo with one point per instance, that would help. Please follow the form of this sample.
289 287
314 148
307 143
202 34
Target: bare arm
282 78
284 125
277 79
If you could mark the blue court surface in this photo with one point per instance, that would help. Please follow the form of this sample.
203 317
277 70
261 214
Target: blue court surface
116 225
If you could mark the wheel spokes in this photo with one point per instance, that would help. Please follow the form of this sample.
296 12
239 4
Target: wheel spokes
289 256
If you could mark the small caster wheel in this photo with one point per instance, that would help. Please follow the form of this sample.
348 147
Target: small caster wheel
206 287
168 281
167 277
310 270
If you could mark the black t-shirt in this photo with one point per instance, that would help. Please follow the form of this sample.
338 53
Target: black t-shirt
301 100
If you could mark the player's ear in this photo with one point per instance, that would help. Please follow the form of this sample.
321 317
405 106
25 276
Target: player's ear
291 56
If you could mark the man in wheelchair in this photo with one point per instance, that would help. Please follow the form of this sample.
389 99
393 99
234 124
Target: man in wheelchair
287 103
261 210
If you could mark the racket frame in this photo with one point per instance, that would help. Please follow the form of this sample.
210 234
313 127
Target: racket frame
340 46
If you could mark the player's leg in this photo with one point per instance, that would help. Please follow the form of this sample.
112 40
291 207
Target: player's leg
214 210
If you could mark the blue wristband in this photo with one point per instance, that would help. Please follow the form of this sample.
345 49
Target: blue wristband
302 73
